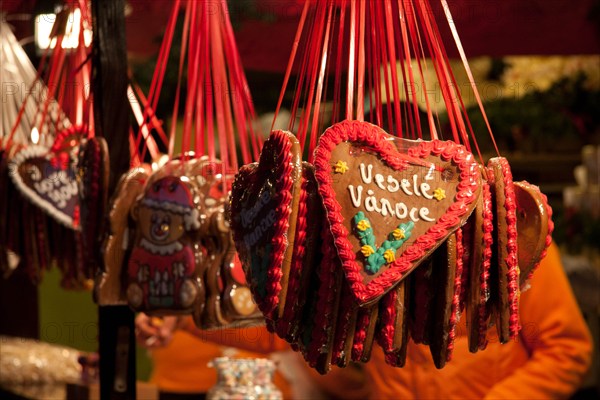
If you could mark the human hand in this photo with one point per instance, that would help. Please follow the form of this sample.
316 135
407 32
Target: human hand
154 332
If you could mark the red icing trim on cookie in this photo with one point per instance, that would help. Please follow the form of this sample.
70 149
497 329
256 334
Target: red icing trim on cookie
375 138
484 278
387 321
284 196
360 334
458 287
510 206
291 307
548 236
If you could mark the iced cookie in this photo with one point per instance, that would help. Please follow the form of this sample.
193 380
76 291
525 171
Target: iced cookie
264 207
504 272
162 272
306 255
426 191
480 253
392 334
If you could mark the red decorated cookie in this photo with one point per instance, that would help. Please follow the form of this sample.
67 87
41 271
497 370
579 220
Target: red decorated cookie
479 249
47 177
392 334
504 285
388 209
162 270
264 206
306 251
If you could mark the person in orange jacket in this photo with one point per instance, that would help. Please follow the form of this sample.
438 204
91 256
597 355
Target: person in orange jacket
548 361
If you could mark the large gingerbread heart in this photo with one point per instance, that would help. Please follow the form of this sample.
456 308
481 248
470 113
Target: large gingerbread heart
390 202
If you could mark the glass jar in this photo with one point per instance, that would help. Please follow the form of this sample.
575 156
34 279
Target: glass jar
244 379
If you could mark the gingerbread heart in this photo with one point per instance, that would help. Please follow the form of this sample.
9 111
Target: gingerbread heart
534 227
264 206
48 177
389 206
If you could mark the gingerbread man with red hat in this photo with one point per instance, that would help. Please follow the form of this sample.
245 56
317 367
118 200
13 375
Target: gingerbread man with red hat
163 266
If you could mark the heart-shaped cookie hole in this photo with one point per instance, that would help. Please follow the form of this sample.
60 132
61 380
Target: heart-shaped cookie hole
389 206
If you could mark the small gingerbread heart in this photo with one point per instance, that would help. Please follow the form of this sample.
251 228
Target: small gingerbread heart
47 177
390 207
534 227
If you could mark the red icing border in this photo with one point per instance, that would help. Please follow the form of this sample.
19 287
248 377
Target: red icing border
454 316
360 333
387 321
375 138
291 311
512 275
484 278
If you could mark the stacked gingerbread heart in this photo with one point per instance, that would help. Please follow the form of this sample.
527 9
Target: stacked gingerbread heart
415 232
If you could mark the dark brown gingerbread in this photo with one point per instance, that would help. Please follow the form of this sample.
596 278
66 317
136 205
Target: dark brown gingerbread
443 277
479 248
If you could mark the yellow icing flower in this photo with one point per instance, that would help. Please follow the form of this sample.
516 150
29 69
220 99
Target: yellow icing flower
390 256
340 167
439 194
398 234
367 250
362 225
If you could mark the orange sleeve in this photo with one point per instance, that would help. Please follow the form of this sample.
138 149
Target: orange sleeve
349 383
255 339
554 333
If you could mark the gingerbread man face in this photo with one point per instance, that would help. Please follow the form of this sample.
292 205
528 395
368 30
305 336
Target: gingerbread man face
160 226
166 212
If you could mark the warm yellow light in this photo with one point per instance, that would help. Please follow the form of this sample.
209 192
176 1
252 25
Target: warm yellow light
43 28
35 135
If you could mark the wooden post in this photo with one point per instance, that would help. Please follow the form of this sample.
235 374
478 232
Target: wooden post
111 119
